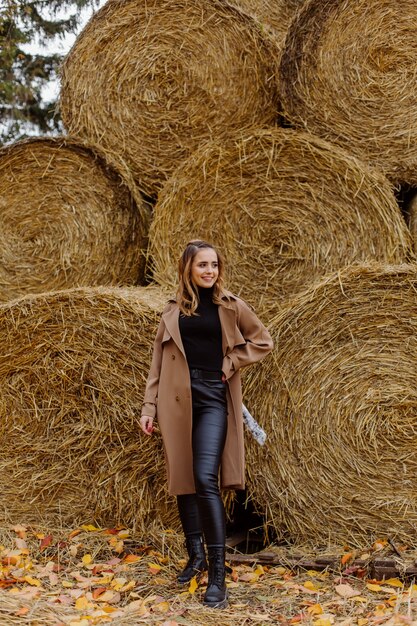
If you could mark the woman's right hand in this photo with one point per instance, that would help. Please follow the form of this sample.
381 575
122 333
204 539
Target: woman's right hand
146 424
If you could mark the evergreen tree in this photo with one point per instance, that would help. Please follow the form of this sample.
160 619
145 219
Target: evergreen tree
23 75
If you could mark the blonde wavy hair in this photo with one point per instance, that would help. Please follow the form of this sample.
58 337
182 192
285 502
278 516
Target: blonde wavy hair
187 293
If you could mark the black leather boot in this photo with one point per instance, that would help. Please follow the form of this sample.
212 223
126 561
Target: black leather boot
197 562
216 594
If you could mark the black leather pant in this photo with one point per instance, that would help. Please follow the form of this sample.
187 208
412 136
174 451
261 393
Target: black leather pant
203 511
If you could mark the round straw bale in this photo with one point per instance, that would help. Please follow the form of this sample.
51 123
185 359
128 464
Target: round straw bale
348 74
338 399
67 219
72 374
273 15
284 207
172 74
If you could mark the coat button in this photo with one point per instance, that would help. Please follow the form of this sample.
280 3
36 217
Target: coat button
173 357
177 398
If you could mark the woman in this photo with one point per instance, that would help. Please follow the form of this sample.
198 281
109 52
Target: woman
205 336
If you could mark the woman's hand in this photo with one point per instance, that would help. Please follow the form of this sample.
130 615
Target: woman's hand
146 424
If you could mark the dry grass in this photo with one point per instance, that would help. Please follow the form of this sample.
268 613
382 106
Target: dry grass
68 218
338 399
72 374
172 74
70 579
284 207
348 75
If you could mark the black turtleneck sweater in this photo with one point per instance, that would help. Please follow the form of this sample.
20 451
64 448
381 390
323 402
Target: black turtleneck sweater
201 334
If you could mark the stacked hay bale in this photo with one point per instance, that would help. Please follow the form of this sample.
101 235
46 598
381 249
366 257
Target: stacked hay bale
72 374
68 218
339 402
172 75
348 74
291 208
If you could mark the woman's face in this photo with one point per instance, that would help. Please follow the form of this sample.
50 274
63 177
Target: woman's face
205 268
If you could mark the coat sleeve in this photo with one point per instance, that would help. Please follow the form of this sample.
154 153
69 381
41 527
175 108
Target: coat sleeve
256 344
151 389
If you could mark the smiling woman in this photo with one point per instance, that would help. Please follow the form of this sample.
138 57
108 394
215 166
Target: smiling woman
205 336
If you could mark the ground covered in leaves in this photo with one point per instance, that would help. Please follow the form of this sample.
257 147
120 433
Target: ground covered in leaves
90 576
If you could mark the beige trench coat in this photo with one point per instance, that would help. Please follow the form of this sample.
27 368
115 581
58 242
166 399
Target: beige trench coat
167 396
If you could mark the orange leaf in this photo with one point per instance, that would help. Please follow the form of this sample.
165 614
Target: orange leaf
316 609
346 557
98 591
131 558
22 611
45 542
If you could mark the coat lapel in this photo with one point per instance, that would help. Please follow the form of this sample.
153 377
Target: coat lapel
171 320
228 322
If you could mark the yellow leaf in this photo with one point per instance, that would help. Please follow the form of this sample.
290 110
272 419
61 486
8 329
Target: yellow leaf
322 621
161 607
87 559
89 528
373 587
33 581
310 585
362 621
130 585
82 603
154 568
360 599
123 534
193 585
67 584
315 609
394 582
259 570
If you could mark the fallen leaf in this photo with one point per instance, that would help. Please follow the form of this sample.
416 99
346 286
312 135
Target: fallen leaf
98 591
33 581
132 558
154 568
394 582
315 609
82 603
346 557
346 591
310 586
373 587
22 611
193 585
89 528
160 607
87 559
45 542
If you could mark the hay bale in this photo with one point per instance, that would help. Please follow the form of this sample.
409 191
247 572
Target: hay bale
347 74
72 374
338 399
67 218
172 74
272 15
291 208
